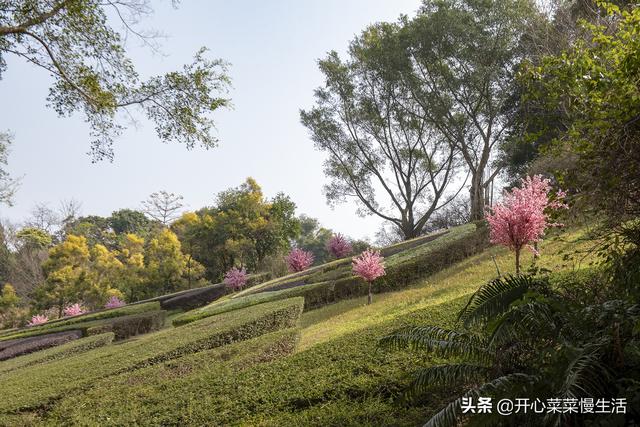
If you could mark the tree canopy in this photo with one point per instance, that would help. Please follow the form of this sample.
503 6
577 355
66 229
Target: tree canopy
75 42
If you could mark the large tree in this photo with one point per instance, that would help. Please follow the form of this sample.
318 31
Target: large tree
462 57
75 43
381 150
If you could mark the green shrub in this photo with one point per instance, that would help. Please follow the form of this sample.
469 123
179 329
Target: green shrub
33 387
74 347
20 346
129 326
69 323
195 297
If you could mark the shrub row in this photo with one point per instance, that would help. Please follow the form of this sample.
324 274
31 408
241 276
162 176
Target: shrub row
62 324
401 272
188 377
195 297
65 350
33 387
129 326
410 244
18 347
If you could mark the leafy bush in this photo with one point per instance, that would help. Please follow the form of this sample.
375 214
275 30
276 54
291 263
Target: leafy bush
129 326
18 347
59 352
195 297
66 324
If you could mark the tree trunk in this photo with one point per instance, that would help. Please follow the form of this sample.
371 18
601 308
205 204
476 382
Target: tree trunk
517 262
369 297
476 197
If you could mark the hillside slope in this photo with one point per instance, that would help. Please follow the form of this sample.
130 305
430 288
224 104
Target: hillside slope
324 370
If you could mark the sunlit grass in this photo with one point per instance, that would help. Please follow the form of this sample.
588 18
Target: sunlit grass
461 279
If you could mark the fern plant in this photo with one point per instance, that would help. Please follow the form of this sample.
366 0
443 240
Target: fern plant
520 339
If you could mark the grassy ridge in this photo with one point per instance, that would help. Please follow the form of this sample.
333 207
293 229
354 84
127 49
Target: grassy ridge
40 384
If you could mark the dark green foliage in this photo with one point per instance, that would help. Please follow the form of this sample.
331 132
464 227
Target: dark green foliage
129 326
60 352
13 348
531 342
81 322
195 297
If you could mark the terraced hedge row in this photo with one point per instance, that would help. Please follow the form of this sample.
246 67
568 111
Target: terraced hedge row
64 323
65 350
34 387
403 269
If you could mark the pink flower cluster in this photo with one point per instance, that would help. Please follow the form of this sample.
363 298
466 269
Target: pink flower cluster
522 217
299 260
369 265
114 302
235 278
38 319
339 246
73 310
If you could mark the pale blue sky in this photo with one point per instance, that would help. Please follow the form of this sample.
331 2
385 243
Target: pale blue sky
272 47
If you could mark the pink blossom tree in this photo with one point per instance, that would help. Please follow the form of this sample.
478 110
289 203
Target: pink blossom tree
73 310
522 217
235 278
369 265
339 246
299 260
114 302
38 319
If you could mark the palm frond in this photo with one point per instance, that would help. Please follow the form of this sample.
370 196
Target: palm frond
451 415
445 376
494 298
439 341
524 321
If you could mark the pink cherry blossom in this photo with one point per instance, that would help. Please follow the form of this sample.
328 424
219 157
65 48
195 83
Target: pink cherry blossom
73 310
299 260
235 278
339 246
369 265
38 319
522 217
114 302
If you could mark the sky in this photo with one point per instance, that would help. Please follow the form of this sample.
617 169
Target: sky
273 48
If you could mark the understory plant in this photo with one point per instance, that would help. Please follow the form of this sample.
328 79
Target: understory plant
520 338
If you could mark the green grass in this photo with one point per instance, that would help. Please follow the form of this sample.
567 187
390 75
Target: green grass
336 376
82 321
39 385
62 351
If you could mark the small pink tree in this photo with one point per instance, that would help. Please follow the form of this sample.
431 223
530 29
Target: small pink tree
235 278
73 310
114 302
523 215
38 319
299 260
369 265
339 246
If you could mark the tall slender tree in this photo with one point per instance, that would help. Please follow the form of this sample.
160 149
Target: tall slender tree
381 150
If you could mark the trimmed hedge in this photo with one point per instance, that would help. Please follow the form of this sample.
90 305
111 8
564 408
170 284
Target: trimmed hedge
18 347
65 350
34 387
403 269
129 326
64 323
190 373
195 298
